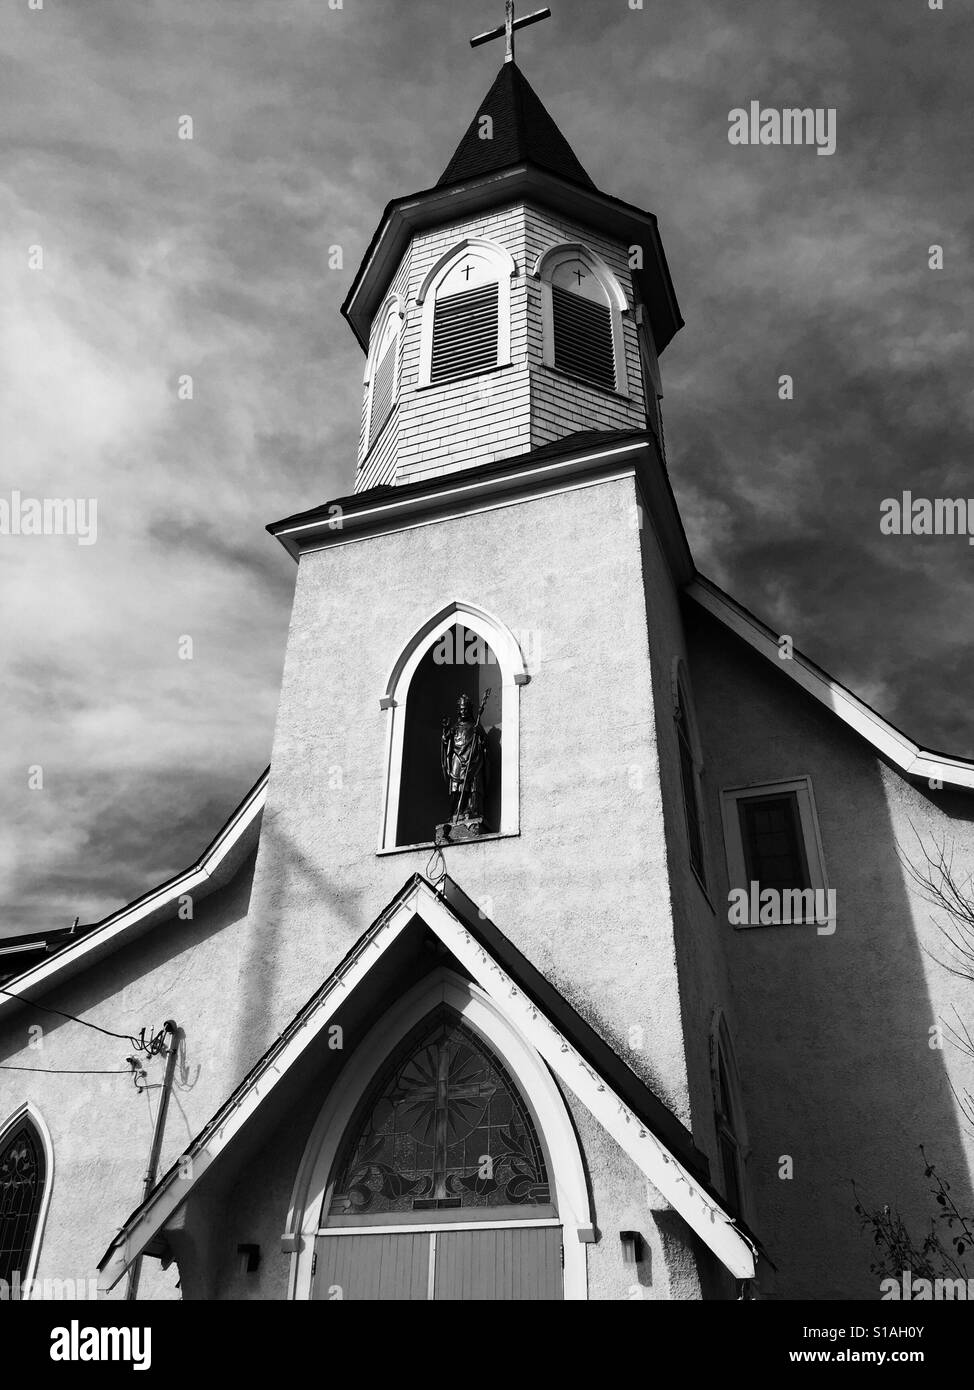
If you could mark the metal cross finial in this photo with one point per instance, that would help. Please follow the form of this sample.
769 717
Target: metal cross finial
506 30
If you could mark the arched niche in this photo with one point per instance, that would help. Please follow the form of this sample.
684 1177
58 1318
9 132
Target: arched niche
460 650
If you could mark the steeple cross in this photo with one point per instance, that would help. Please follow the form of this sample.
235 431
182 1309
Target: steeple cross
506 30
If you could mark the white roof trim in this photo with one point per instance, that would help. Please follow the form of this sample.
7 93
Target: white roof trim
110 932
909 757
395 507
701 1212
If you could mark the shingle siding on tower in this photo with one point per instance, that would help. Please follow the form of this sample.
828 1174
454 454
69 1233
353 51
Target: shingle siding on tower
499 414
561 404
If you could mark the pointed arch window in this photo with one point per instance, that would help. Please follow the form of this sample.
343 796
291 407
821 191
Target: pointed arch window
466 313
23 1187
691 767
729 1119
582 308
382 369
444 1128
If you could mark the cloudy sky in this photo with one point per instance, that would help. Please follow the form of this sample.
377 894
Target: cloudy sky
163 257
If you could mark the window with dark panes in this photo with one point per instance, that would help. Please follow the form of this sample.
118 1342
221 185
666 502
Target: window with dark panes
731 1160
691 806
22 1174
774 846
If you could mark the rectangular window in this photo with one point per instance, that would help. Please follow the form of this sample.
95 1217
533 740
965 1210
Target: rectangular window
774 852
772 840
464 334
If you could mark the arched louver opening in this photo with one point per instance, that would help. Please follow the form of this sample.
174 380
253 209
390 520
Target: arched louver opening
582 325
383 386
464 333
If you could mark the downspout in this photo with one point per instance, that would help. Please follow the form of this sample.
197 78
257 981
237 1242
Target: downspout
132 1289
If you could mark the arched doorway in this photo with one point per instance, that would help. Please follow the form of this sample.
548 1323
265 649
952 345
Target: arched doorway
443 1165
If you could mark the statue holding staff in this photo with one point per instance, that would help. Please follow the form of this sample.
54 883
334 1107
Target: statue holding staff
463 760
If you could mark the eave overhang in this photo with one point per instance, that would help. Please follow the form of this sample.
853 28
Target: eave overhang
504 483
899 750
84 945
525 182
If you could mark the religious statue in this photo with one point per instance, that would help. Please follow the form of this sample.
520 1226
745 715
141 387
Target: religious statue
463 759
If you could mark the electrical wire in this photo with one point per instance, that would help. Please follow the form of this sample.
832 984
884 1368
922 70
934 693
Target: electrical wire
139 1043
69 1071
125 1037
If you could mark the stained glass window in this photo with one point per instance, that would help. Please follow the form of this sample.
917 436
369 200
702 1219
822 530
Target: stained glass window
444 1128
21 1189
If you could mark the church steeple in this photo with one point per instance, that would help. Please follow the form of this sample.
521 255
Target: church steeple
508 307
512 127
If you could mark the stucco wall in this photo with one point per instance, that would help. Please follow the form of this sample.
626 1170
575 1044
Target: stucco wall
832 1032
100 1126
698 939
579 889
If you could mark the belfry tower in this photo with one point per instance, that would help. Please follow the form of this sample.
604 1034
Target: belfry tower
504 577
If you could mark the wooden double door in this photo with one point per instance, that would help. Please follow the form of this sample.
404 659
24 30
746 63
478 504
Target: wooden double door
516 1262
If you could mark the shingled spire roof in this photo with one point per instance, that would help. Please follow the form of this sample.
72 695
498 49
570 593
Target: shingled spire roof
523 132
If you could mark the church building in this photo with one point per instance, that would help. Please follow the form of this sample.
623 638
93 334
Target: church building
566 949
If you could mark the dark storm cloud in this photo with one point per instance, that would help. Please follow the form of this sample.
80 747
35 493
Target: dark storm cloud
210 257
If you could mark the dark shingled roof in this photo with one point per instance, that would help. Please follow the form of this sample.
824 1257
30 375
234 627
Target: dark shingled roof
523 132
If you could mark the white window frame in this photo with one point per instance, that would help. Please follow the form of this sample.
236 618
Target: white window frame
514 673
506 267
811 837
544 269
394 306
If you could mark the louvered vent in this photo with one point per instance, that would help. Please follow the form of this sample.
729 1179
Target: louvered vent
464 333
583 337
382 390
